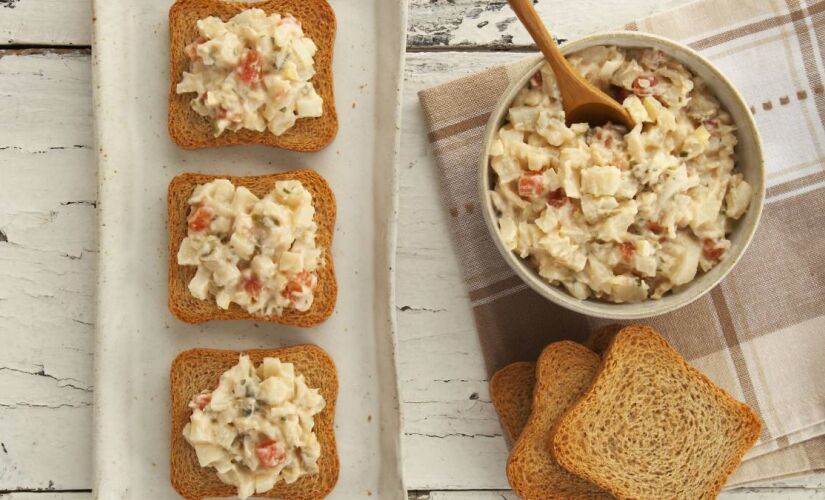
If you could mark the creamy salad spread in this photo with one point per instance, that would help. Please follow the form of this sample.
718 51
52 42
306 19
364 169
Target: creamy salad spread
252 72
259 253
616 214
256 428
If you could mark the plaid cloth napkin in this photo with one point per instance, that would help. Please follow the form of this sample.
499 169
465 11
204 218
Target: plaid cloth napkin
760 334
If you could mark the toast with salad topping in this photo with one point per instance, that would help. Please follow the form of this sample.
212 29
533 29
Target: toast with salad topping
196 369
186 307
190 130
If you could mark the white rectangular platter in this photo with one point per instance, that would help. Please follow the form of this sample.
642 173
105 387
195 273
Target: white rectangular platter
137 337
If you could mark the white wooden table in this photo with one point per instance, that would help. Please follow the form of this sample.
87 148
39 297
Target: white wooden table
453 449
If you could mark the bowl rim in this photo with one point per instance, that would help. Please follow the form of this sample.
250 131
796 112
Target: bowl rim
682 296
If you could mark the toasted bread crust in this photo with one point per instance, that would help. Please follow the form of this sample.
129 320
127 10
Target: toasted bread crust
570 431
600 338
563 372
511 391
198 369
190 130
191 310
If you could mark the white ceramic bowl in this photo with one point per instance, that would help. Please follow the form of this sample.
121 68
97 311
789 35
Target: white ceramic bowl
749 162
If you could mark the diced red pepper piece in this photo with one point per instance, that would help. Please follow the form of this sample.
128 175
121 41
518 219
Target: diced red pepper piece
271 453
291 290
203 399
249 68
253 286
200 218
628 250
710 251
530 185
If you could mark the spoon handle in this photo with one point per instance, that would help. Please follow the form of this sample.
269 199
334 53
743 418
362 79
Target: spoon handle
531 20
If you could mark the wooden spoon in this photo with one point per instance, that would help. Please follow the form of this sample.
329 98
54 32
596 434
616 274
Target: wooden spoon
582 102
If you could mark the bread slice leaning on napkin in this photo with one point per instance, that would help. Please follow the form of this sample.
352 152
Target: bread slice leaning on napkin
511 387
652 426
563 372
511 391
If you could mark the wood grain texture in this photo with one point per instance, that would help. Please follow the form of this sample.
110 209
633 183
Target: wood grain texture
46 22
47 264
490 24
48 250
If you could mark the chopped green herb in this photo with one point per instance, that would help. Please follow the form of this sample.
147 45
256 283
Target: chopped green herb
283 110
684 154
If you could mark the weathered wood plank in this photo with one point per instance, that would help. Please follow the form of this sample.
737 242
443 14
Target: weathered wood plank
47 264
491 23
45 448
452 436
46 22
47 495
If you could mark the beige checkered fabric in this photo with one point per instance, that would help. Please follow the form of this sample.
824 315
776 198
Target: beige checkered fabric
760 334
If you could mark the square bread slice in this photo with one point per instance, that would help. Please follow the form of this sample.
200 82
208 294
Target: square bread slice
511 391
564 371
198 369
189 309
189 130
651 426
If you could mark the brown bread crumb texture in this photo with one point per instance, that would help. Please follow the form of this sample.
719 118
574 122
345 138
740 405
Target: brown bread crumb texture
189 130
198 369
192 310
563 372
651 426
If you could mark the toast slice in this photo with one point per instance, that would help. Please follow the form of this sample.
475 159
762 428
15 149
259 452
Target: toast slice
198 369
191 310
511 391
563 372
651 426
600 338
189 130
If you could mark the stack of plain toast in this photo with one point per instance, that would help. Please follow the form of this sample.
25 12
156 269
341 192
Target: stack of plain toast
622 416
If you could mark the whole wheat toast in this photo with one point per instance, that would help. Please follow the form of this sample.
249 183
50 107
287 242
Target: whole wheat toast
511 387
192 310
189 130
511 391
563 372
651 426
198 369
